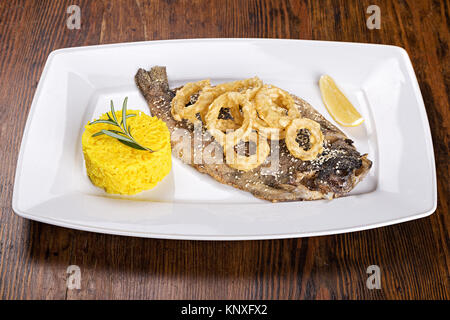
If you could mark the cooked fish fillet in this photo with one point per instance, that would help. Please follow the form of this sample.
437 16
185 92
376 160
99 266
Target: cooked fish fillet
334 173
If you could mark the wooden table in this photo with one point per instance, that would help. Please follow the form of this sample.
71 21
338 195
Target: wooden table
413 256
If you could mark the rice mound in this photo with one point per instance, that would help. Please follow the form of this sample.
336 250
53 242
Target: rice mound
121 169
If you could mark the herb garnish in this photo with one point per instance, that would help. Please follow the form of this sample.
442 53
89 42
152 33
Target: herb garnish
124 134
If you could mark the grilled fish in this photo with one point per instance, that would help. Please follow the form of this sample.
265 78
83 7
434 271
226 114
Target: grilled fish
332 174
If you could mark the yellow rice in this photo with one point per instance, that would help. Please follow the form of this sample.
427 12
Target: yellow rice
121 169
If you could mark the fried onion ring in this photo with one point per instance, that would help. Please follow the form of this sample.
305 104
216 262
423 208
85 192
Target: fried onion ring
269 132
247 86
245 163
315 139
183 96
234 100
230 124
276 107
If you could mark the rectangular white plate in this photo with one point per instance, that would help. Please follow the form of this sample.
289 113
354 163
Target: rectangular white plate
77 83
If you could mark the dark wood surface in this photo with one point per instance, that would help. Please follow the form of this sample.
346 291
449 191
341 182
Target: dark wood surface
413 256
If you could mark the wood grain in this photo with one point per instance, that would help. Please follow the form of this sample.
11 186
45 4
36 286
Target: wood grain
413 256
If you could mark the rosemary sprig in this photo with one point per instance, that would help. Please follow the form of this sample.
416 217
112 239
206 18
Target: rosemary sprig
124 134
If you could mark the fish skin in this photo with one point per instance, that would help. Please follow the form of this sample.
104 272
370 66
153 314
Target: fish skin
332 175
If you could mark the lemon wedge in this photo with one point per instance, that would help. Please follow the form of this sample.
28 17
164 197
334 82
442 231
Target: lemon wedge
342 111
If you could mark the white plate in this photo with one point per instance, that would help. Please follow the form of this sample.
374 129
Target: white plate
77 83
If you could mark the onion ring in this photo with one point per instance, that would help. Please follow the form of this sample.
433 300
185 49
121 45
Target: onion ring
230 124
251 86
246 163
276 107
234 99
315 139
183 96
269 132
